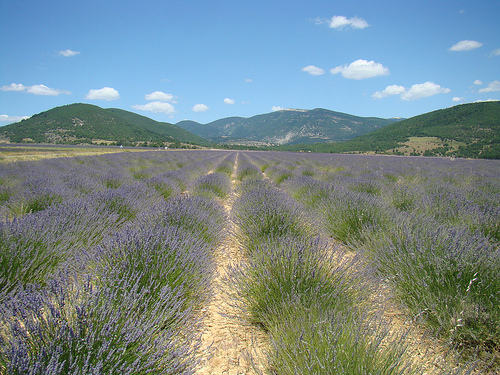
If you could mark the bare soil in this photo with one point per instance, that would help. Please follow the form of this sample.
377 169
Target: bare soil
230 345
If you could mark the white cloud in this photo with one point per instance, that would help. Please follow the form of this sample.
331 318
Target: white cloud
361 69
421 90
200 108
160 96
229 101
487 100
11 119
493 86
495 52
340 22
248 80
277 108
35 89
457 99
389 91
465 45
13 87
313 70
106 93
44 90
156 107
477 82
68 53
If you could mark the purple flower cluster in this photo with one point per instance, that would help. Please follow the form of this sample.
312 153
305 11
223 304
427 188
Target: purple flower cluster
108 279
106 260
246 169
212 185
303 292
429 226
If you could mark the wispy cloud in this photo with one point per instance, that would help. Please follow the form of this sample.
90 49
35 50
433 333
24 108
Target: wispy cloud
106 93
68 53
313 70
44 90
361 69
35 89
341 22
415 92
495 52
487 100
156 107
277 108
493 86
477 82
229 101
457 99
12 119
465 45
200 108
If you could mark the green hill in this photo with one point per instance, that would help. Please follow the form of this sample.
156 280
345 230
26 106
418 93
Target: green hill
467 130
86 123
162 128
290 126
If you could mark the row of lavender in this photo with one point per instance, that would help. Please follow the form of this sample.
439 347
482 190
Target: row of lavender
430 228
108 276
309 296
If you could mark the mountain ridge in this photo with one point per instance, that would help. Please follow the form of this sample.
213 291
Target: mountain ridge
470 130
287 126
465 130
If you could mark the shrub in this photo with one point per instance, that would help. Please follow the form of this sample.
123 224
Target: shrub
73 327
445 275
212 185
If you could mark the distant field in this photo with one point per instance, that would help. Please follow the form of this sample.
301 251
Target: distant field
418 145
10 153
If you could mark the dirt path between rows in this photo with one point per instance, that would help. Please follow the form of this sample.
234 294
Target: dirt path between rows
229 345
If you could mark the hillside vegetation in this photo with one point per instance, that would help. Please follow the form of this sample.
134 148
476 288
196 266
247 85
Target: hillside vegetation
467 130
85 123
290 126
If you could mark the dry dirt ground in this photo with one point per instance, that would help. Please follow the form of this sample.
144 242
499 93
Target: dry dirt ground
229 344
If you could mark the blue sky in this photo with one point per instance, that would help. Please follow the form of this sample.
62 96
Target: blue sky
205 60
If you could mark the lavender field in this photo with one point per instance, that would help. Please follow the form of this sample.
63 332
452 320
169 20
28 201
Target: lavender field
152 262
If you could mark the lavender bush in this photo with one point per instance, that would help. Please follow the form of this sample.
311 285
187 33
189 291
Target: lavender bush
263 213
247 170
107 280
73 327
155 257
443 270
447 277
212 185
105 259
304 294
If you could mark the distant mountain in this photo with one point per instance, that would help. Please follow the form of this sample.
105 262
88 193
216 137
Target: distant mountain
467 130
289 126
86 123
